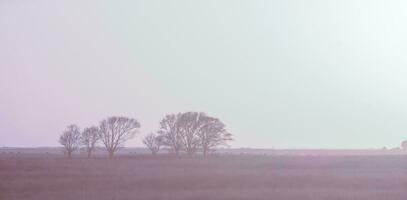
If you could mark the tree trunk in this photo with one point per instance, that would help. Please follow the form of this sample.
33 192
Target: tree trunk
69 154
111 154
205 152
89 153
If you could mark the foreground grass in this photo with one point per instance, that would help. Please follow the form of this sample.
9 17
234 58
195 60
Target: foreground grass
225 177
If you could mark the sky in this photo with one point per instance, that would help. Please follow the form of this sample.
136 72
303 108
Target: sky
278 73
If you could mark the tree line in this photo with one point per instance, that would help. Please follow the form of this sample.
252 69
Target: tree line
188 132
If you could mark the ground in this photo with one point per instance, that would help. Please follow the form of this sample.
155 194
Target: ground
46 177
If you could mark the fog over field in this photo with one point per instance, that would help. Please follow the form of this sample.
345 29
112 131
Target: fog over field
203 99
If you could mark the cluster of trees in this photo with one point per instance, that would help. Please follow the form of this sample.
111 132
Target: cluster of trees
188 132
112 132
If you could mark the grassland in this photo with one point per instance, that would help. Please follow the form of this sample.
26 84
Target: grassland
46 177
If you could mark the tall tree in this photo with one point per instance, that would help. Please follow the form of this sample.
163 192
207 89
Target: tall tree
213 134
192 131
169 133
70 139
115 131
189 125
89 139
153 142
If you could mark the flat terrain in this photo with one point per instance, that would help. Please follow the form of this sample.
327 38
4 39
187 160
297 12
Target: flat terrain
46 177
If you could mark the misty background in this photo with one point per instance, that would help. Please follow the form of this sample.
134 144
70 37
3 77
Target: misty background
282 74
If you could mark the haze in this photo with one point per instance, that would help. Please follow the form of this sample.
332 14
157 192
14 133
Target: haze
282 74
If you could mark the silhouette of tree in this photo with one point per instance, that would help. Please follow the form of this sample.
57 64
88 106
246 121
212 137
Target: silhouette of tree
115 131
213 134
153 142
89 139
192 131
189 125
169 133
70 139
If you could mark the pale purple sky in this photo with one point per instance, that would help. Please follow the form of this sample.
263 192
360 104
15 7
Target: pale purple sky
285 74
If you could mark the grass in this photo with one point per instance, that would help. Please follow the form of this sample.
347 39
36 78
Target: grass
223 177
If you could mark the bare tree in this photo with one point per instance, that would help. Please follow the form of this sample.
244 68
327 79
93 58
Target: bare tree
153 142
213 134
189 125
169 133
70 139
404 145
117 130
192 131
89 139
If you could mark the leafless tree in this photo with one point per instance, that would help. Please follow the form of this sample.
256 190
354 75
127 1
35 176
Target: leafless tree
153 142
213 134
189 125
116 130
169 133
89 139
70 139
192 131
404 145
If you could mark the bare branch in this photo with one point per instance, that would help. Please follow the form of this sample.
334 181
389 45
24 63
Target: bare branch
70 139
115 131
153 142
89 139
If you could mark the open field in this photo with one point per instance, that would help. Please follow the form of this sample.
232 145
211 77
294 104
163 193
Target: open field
46 177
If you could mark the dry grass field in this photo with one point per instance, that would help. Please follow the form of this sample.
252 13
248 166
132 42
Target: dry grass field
41 177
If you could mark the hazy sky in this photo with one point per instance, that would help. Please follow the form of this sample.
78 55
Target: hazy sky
284 74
